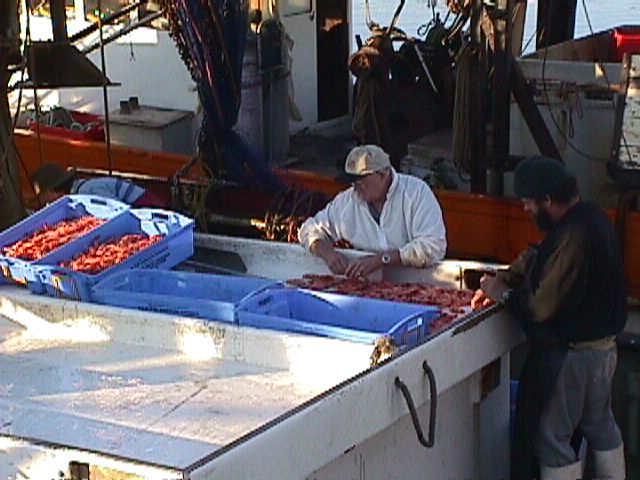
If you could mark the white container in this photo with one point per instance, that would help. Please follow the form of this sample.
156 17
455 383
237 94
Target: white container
153 128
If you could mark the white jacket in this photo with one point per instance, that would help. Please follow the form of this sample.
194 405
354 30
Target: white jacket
411 221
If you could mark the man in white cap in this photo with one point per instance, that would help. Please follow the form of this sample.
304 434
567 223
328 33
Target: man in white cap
392 215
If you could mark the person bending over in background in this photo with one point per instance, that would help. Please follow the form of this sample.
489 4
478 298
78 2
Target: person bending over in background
394 215
569 293
51 182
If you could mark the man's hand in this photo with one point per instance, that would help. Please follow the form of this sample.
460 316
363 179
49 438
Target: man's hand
480 300
363 266
336 262
493 287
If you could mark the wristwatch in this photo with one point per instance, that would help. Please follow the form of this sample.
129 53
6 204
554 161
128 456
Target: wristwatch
504 298
385 258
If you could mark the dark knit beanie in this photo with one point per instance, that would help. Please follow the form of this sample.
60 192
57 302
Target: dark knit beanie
537 177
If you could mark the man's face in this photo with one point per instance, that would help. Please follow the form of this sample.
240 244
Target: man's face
539 210
49 196
372 187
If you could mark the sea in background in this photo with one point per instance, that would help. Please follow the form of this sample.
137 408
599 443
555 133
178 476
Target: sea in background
602 14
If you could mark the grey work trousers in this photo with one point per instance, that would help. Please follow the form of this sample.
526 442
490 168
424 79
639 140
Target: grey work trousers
580 400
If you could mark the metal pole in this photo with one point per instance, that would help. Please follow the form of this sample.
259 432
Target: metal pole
105 96
501 96
58 20
477 129
11 209
36 102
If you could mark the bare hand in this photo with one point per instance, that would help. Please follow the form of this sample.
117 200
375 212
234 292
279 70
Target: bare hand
480 300
493 287
363 266
336 262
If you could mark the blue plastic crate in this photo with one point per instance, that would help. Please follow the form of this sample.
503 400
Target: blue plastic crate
198 295
66 208
175 247
339 316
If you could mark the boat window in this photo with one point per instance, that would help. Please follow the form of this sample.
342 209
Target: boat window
295 7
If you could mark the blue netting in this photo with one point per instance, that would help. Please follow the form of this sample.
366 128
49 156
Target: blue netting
211 36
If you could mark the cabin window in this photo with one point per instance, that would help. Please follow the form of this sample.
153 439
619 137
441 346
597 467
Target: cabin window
295 7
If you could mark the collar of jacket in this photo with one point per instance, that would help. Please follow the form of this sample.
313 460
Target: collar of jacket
394 182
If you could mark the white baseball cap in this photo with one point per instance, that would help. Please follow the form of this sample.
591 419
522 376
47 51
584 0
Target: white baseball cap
363 160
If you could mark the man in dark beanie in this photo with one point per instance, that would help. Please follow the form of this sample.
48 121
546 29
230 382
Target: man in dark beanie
51 181
570 296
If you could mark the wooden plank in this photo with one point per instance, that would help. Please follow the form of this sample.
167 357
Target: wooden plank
530 112
591 49
518 16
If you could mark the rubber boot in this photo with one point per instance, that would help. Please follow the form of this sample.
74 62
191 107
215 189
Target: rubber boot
609 464
567 472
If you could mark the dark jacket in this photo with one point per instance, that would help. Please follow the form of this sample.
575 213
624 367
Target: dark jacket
570 288
574 288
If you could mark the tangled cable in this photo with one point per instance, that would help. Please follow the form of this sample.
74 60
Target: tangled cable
211 36
288 210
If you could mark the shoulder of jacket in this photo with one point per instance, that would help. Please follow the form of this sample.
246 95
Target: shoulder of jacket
345 196
410 185
410 179
84 183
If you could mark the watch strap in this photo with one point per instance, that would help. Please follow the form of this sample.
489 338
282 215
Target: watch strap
506 295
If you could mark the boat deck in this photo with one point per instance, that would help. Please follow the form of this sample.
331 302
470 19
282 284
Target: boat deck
163 397
146 387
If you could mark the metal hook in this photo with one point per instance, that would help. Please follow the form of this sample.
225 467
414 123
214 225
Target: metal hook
433 403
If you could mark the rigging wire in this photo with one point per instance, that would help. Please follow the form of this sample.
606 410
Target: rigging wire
526 45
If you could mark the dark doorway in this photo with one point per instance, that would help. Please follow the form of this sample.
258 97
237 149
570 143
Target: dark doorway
333 57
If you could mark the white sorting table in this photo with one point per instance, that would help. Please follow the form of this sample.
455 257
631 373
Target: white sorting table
156 396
